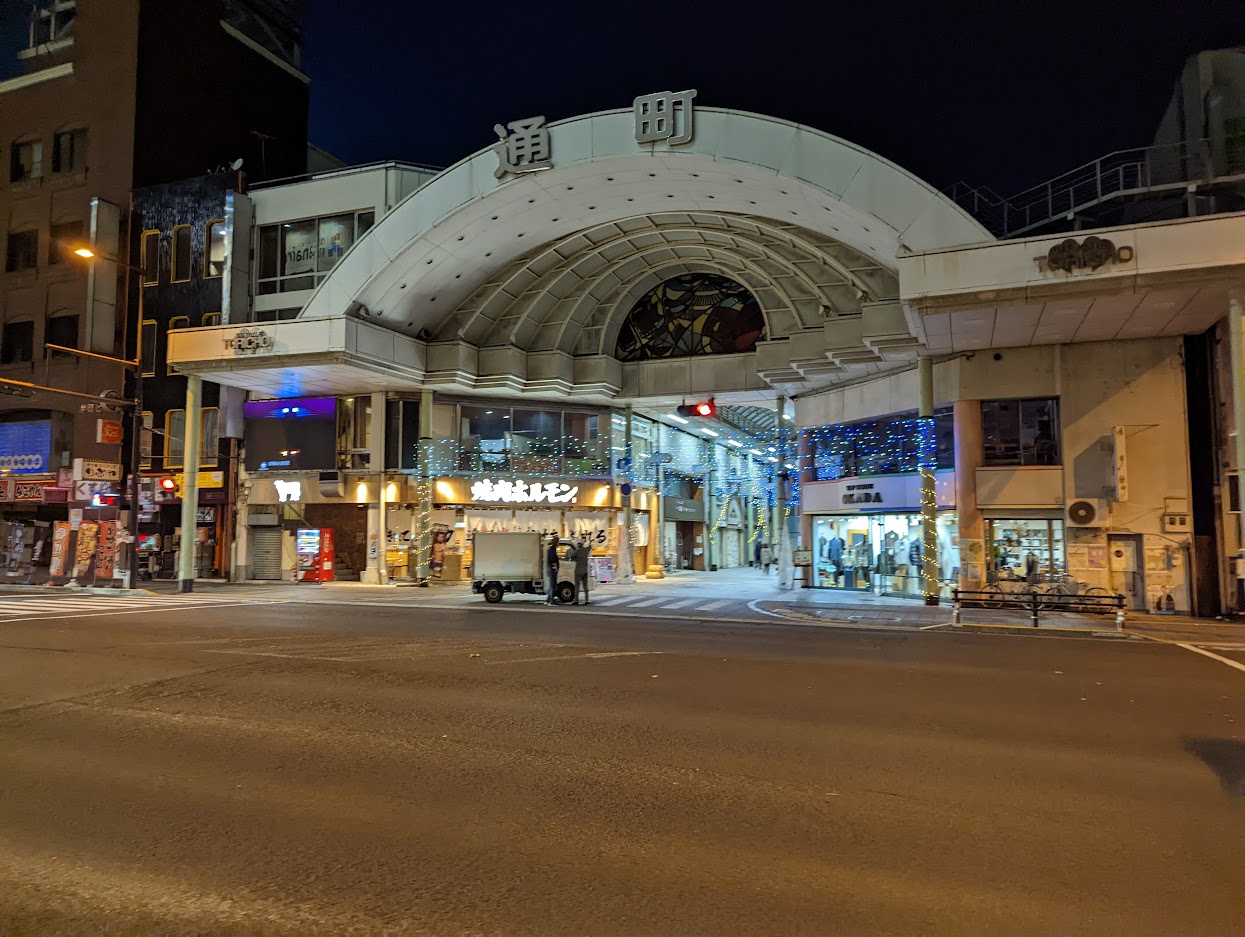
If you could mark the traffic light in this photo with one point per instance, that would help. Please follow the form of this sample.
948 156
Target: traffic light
168 484
703 409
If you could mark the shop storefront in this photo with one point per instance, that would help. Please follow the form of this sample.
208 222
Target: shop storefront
684 535
1029 549
730 534
160 521
866 534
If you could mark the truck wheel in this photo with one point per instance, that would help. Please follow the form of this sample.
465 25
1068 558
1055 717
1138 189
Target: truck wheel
566 592
493 592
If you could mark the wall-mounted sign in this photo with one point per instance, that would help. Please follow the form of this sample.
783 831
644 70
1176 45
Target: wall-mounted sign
862 493
109 432
518 491
204 479
29 491
91 470
524 149
26 448
683 509
64 478
889 493
734 514
289 491
1121 465
87 490
248 341
55 495
665 117
1093 252
801 557
205 515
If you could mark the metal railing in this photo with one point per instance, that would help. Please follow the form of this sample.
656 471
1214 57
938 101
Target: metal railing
1123 172
1035 601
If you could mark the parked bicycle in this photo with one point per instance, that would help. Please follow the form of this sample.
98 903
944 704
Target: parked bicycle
1007 592
1071 588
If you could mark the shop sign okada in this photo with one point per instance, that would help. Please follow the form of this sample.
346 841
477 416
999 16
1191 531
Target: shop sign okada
880 494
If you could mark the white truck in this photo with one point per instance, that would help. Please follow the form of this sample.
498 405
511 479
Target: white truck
512 562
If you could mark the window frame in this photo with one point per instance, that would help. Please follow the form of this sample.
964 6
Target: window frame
1026 454
9 253
47 338
170 437
173 322
4 345
15 149
55 247
209 459
175 256
278 282
142 254
207 250
214 318
77 164
154 344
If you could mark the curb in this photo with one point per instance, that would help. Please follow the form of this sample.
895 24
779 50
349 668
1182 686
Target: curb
1046 632
47 588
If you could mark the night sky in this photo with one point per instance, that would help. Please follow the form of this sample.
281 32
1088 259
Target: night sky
1004 94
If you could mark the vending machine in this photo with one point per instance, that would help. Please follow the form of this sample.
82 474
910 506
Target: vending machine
314 547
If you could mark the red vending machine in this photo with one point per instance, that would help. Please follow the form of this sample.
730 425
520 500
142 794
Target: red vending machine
314 547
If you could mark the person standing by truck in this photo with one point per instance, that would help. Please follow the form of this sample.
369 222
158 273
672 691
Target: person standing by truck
580 553
551 570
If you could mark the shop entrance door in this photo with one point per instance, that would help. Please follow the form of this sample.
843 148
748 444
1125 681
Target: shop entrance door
265 552
1127 574
731 537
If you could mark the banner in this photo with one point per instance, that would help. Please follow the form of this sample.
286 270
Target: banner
105 556
87 532
60 548
442 534
17 547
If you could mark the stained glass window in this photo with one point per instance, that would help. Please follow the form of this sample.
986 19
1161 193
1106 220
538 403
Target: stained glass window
691 314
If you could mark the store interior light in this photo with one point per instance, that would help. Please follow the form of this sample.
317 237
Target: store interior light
772 459
677 419
735 442
788 465
756 452
786 416
709 432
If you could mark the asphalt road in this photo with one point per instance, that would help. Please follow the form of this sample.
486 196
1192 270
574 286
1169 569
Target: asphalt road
294 769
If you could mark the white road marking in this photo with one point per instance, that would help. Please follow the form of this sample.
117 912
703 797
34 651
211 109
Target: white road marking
678 604
1213 656
596 655
100 609
615 600
760 611
647 602
710 606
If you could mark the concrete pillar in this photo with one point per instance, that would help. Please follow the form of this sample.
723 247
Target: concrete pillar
376 572
968 458
776 518
190 483
1236 332
927 459
711 551
423 523
807 474
624 563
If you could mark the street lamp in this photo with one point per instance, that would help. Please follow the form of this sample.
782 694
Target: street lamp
136 444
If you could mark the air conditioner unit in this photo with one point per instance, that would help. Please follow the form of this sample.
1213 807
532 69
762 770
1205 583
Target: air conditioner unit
1088 512
332 485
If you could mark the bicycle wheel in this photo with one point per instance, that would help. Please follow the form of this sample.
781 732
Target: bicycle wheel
1097 593
994 597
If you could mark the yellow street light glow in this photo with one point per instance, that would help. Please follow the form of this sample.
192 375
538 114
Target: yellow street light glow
84 252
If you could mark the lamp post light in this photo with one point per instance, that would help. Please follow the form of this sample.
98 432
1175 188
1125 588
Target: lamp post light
136 434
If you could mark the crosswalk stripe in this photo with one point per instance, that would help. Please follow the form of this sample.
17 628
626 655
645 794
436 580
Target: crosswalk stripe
679 604
614 600
710 606
647 602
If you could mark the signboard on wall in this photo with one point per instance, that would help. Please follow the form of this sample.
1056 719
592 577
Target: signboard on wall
300 248
1121 465
26 448
683 509
29 491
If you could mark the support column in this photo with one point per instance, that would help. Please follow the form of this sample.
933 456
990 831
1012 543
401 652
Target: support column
807 474
968 458
190 483
1236 324
927 460
377 571
423 523
711 550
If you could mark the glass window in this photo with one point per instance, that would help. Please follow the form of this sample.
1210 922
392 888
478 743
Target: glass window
298 259
144 444
484 437
23 251
586 451
1029 550
149 254
181 253
878 447
63 331
150 335
336 236
277 315
214 266
17 343
69 151
1020 432
26 161
269 258
366 220
209 448
174 438
64 236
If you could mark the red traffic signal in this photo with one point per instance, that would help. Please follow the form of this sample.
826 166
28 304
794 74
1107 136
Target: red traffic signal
703 409
168 484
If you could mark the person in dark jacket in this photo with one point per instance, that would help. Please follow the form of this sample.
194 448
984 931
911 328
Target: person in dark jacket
580 553
551 571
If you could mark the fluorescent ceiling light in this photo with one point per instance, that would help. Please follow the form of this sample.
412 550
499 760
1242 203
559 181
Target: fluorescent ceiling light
677 419
734 442
708 432
772 459
786 416
788 465
756 452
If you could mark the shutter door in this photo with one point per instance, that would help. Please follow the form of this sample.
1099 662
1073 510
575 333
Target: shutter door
265 552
